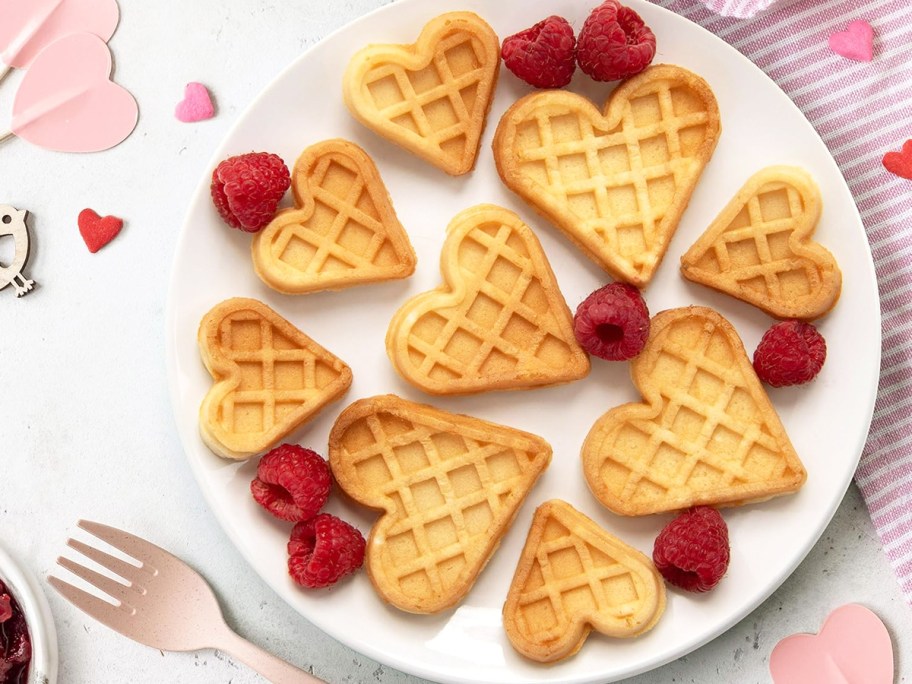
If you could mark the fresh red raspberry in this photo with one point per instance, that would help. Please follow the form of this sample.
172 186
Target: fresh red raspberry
292 482
789 353
613 322
247 189
614 43
543 56
692 551
323 550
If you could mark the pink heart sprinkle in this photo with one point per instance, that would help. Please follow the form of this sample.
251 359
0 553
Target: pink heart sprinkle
852 647
196 105
857 42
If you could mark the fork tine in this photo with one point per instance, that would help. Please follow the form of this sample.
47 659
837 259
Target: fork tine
123 541
107 585
119 567
112 616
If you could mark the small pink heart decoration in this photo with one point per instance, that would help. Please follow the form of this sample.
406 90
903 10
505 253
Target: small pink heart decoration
856 42
196 105
29 26
66 101
852 647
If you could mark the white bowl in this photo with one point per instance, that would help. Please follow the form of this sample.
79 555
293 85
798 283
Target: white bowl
28 594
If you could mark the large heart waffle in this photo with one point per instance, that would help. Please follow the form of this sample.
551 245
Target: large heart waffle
707 433
759 249
343 230
270 378
432 97
497 322
449 486
615 183
573 577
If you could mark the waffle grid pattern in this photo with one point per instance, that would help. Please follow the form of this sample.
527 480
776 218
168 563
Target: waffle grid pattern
352 210
540 334
495 485
749 454
435 104
613 176
266 382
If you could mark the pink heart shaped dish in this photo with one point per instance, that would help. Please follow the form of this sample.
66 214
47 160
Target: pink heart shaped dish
67 102
856 42
29 27
852 647
196 105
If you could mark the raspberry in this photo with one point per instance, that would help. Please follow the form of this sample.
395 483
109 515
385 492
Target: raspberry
323 550
543 56
614 43
247 189
292 482
692 551
789 353
6 608
612 322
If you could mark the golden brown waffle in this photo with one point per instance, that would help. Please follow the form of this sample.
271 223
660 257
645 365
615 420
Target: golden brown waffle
270 378
497 322
343 230
432 97
760 251
707 434
615 183
449 486
573 577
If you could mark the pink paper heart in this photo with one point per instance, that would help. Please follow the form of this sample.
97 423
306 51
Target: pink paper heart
196 105
66 101
856 42
29 26
852 647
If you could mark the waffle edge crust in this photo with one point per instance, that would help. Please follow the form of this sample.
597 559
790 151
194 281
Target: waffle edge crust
449 487
431 97
615 182
573 577
707 433
269 378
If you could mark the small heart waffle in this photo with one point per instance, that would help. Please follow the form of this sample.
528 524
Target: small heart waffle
270 378
432 97
343 230
707 433
573 577
498 322
449 485
760 251
616 183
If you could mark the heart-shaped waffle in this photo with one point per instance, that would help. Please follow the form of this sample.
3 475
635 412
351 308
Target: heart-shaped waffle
707 434
343 230
615 183
449 485
431 97
270 378
573 577
760 251
497 322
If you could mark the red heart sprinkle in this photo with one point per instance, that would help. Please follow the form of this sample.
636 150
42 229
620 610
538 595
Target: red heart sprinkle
97 231
900 163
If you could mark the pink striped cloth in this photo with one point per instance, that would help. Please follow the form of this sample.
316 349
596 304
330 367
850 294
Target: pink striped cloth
861 111
737 8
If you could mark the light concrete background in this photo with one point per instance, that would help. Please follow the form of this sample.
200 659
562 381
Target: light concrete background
85 421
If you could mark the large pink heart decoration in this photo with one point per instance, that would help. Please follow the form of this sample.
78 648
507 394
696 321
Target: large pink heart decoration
852 647
67 102
29 26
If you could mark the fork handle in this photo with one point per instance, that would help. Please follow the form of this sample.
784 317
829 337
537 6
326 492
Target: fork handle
271 667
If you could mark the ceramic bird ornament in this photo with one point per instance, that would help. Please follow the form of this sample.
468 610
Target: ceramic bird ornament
12 223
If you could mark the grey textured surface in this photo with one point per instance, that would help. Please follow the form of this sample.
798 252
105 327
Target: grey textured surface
85 421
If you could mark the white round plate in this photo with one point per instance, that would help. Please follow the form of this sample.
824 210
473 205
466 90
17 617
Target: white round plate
827 421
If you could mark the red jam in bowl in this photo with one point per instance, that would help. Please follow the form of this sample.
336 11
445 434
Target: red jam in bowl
15 646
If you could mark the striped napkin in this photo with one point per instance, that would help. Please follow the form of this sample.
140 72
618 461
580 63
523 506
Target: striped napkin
861 110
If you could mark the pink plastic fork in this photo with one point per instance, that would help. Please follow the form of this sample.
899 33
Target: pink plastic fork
165 605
